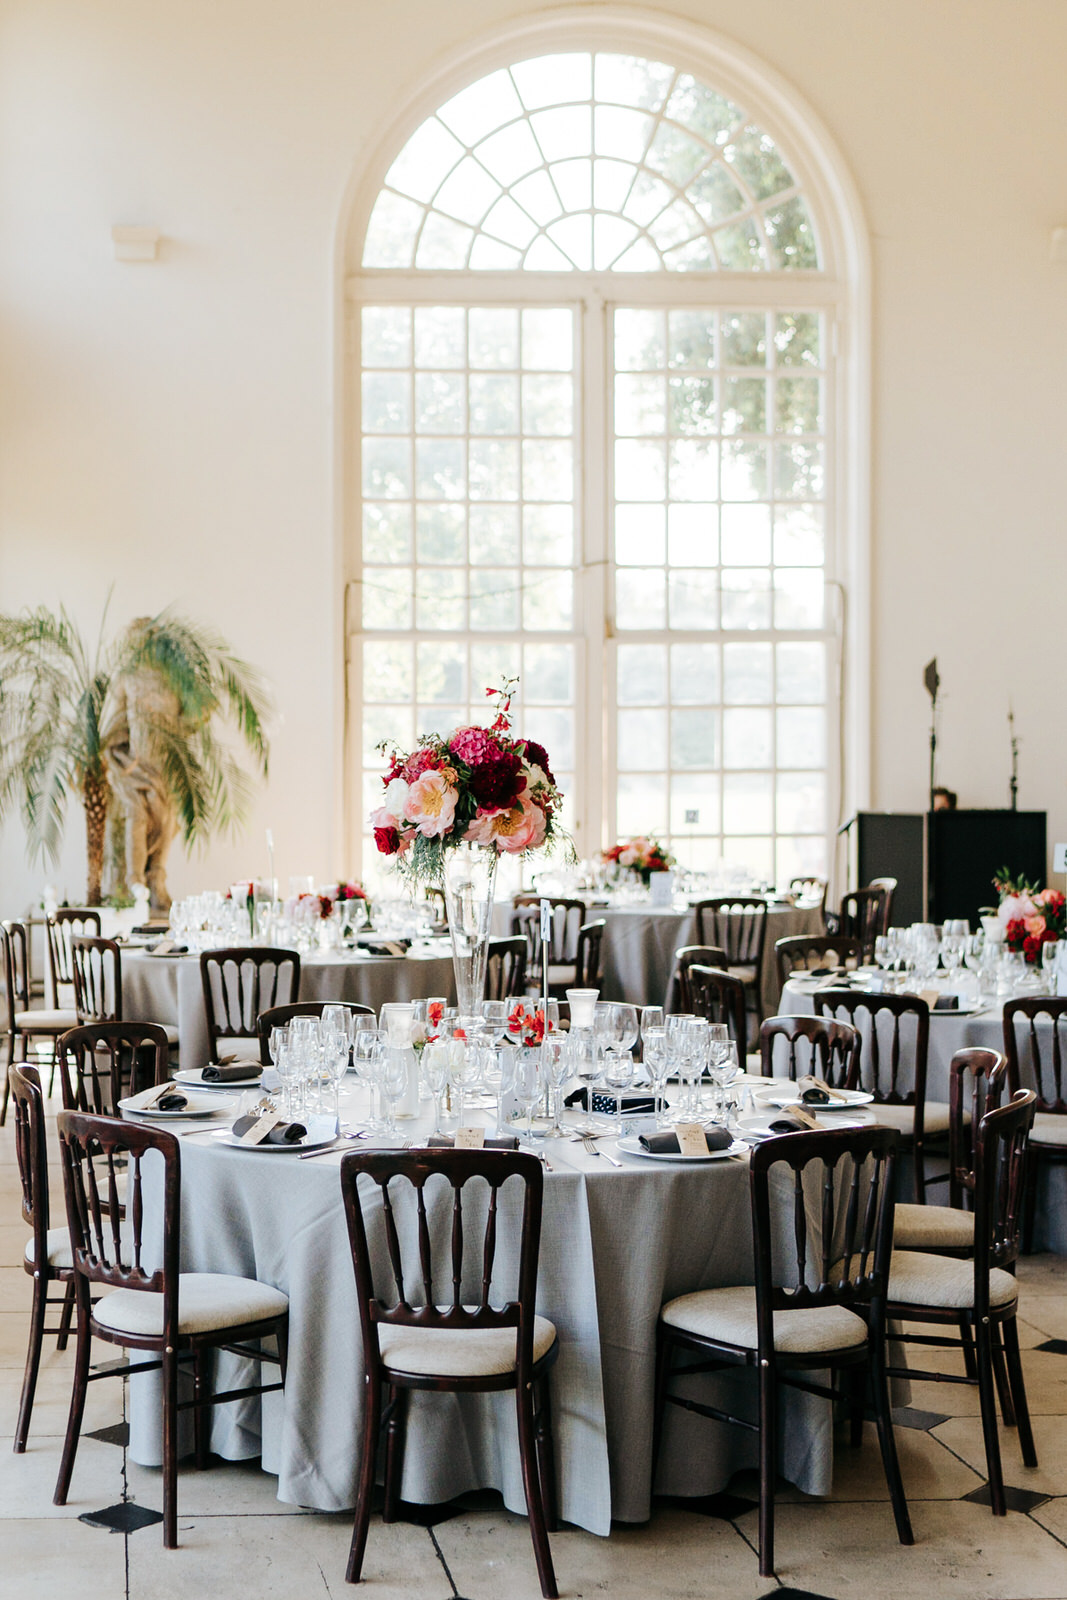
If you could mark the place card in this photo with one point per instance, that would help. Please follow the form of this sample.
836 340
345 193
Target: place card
931 996
261 1127
692 1140
469 1139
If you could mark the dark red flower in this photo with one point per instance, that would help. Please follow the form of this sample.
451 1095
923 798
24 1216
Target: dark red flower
538 755
497 784
387 840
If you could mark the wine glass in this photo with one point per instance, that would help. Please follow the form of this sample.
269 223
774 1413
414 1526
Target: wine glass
366 1059
435 1069
557 1070
657 1065
1050 952
625 1026
393 1081
335 1057
529 1084
464 1066
618 1076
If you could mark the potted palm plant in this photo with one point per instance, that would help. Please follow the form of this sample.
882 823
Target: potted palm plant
143 721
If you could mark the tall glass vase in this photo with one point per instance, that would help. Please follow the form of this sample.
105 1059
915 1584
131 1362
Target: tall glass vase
469 880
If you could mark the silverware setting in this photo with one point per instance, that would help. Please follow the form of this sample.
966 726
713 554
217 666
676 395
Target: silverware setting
591 1150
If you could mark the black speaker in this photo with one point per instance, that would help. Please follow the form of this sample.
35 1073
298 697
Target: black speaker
968 848
889 844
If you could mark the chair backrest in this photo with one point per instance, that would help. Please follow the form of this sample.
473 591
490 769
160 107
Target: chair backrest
864 915
438 1277
1042 1021
16 971
823 1230
803 951
107 1232
279 1016
97 978
31 1153
894 1032
686 956
587 957
999 1187
977 1080
720 997
793 1046
61 928
242 982
94 1061
737 924
505 968
567 919
810 889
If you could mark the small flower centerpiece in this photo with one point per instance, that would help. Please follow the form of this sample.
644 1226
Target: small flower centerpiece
641 855
451 807
1030 917
526 1025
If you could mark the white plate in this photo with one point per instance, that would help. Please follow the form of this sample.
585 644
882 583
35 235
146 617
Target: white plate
226 1135
760 1127
789 1097
199 1105
960 1011
632 1146
192 1078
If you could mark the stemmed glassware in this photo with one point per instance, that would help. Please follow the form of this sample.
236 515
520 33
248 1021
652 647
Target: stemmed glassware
557 1070
529 1084
657 1065
393 1080
435 1069
1050 952
464 1067
618 1077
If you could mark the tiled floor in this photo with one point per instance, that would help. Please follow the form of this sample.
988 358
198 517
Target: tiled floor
236 1539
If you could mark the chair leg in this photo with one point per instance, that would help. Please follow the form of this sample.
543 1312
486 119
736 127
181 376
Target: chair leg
1010 1335
33 1361
55 1063
394 1452
1000 1375
532 1485
201 1409
79 1386
887 1441
170 1451
970 1365
664 1354
857 1385
546 1460
281 1335
987 1396
768 1467
7 1081
372 1418
66 1312
1029 1200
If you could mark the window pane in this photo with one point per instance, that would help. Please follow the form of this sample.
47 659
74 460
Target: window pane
642 741
642 675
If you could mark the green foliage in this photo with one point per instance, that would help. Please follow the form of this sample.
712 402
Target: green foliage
63 708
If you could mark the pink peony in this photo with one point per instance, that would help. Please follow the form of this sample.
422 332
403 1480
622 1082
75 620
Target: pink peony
431 804
523 827
474 745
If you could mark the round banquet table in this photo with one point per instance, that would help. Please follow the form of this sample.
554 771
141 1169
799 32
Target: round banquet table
168 988
616 1243
949 1032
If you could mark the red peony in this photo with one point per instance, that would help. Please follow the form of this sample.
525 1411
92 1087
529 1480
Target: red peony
538 756
387 840
497 784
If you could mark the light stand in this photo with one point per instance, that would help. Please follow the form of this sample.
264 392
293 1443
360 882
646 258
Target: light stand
932 683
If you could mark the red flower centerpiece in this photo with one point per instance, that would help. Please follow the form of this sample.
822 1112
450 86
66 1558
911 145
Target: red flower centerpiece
643 855
1030 917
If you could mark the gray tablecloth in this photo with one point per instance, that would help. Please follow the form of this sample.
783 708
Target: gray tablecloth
615 1245
949 1033
168 988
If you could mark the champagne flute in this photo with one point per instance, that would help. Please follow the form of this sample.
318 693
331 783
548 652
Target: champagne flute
1050 953
656 1065
618 1076
529 1084
463 1066
435 1068
557 1070
393 1079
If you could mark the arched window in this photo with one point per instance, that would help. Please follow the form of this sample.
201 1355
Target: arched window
595 361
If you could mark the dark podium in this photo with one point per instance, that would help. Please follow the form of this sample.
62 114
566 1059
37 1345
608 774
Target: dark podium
945 861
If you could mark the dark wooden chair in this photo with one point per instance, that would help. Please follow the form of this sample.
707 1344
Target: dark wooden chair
464 1346
804 952
242 982
738 925
505 968
819 1301
587 960
47 1255
980 1295
894 1034
810 889
172 1315
26 1028
281 1016
680 997
864 914
100 1061
1042 1021
720 996
97 965
62 926
790 1047
568 917
977 1081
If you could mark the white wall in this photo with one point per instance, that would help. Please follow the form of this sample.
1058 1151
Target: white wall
169 428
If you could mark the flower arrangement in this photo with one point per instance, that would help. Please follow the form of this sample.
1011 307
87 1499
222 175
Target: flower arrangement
643 855
336 894
527 1026
474 785
1029 916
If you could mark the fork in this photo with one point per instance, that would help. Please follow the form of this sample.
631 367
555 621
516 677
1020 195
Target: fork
592 1150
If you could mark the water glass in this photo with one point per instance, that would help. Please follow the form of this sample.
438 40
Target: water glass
464 1067
529 1084
618 1077
1050 954
557 1071
435 1070
393 1081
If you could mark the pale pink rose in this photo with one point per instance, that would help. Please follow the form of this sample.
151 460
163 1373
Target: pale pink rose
431 804
521 828
628 857
1035 926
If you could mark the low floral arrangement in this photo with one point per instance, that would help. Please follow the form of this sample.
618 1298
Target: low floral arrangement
336 894
641 855
304 908
527 1026
1030 916
429 1032
472 786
